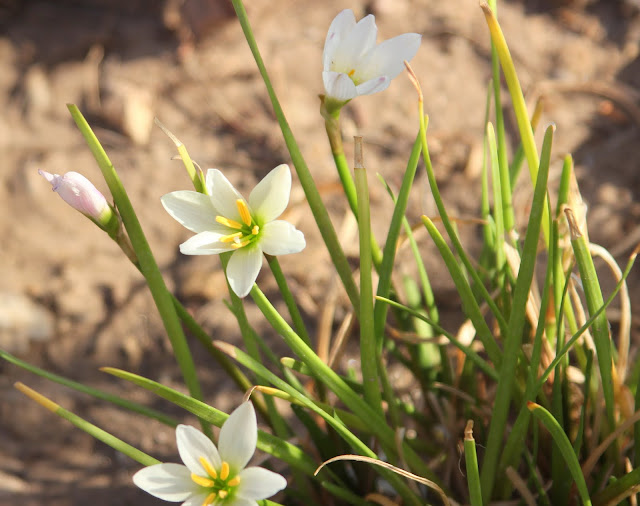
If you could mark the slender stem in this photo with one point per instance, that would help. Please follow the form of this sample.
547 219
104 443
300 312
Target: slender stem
289 300
148 265
368 348
306 180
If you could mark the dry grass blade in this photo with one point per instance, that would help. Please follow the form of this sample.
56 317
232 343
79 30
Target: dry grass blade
589 464
520 485
625 310
390 467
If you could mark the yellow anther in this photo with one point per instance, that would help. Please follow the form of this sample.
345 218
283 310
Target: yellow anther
231 237
224 471
351 72
204 462
235 482
209 500
244 212
203 482
222 494
228 223
255 230
241 244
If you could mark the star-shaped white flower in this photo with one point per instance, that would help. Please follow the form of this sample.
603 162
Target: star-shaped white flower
224 221
353 63
214 476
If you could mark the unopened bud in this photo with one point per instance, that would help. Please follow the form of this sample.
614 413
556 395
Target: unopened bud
77 191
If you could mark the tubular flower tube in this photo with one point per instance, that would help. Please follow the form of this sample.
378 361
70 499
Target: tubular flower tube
353 63
80 193
224 221
214 476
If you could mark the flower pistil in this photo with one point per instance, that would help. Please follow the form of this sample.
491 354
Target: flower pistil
248 230
218 483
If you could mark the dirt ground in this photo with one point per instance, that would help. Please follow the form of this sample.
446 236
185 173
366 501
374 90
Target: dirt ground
70 301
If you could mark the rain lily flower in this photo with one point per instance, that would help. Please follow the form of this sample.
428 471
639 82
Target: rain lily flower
214 476
224 221
77 191
353 63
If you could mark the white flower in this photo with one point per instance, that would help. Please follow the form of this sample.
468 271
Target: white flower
214 476
353 63
225 221
77 191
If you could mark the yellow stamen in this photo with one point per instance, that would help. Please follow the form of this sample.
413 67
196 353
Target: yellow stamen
241 244
203 482
231 237
235 482
351 72
224 471
209 500
255 230
228 223
244 212
204 462
222 494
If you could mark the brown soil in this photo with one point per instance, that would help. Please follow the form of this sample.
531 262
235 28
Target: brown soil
125 62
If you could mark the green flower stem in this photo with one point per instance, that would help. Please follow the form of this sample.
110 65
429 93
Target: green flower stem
513 447
467 350
289 300
89 428
337 424
566 450
306 180
513 337
334 134
229 367
252 341
329 377
148 265
390 247
498 203
471 462
368 349
469 303
519 105
94 392
518 157
505 181
600 327
444 216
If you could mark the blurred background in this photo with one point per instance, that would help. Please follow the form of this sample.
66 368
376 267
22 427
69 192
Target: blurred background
70 302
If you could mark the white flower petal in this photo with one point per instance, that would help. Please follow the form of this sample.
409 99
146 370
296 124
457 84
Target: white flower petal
196 500
204 243
243 268
270 197
355 45
259 483
193 444
239 436
241 501
192 210
281 238
171 482
373 85
223 195
341 25
339 86
387 58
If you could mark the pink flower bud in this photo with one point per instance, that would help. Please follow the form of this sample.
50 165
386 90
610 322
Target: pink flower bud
77 191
